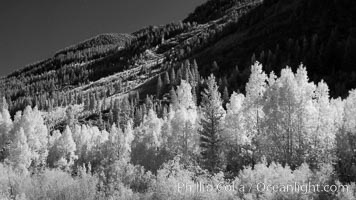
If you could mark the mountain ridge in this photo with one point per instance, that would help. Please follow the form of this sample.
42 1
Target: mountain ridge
237 33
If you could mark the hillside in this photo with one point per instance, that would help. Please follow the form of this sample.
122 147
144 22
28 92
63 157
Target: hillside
103 40
319 34
244 99
222 37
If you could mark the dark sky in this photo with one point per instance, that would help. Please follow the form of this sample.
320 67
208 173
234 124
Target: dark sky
34 30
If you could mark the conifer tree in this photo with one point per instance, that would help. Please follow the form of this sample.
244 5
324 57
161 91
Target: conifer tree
71 120
173 77
159 87
179 76
125 113
211 122
196 72
215 67
166 79
226 95
3 104
173 98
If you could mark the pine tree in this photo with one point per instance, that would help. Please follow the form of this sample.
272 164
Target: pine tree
173 77
196 72
92 103
179 76
138 117
148 102
211 122
253 58
226 95
71 120
111 117
3 104
215 67
166 79
173 98
125 113
159 87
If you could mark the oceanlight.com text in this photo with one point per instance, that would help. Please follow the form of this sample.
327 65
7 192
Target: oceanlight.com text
260 187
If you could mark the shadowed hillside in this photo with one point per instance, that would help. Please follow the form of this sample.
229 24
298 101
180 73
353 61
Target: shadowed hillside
223 37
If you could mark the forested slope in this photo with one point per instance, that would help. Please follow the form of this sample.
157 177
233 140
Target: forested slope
220 98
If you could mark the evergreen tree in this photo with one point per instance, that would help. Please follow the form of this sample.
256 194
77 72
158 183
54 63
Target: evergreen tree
71 120
138 117
211 122
215 67
3 104
159 87
173 77
226 95
179 76
166 79
124 113
173 98
196 72
92 103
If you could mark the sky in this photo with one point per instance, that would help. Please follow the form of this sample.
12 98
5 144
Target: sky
32 30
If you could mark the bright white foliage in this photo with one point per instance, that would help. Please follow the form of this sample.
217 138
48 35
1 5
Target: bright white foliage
350 112
183 122
184 96
256 85
236 102
236 132
36 132
150 130
5 127
128 138
66 148
323 135
19 152
56 134
288 116
255 89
